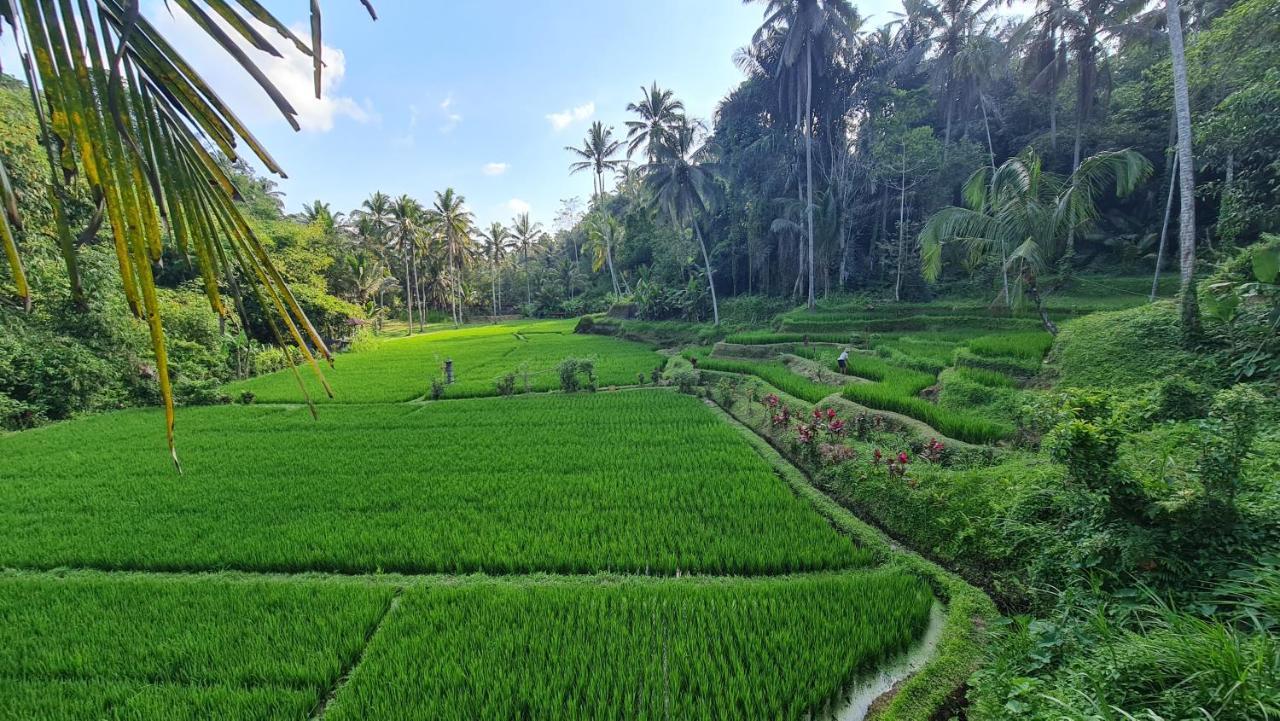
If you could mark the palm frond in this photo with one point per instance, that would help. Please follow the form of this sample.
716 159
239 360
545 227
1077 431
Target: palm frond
120 107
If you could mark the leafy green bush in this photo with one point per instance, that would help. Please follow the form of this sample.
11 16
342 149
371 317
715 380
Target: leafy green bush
685 379
576 374
1179 399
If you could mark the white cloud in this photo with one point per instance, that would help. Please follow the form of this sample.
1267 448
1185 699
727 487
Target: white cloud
452 118
495 168
291 73
518 206
565 118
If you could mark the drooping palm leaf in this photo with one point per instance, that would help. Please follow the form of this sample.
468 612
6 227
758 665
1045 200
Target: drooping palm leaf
123 115
1020 206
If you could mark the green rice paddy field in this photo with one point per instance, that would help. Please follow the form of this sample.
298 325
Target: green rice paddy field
612 555
402 369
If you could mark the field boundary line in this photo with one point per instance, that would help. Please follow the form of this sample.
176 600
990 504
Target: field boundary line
322 705
403 581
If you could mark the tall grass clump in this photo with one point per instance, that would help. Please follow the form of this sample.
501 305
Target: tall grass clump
1025 346
767 338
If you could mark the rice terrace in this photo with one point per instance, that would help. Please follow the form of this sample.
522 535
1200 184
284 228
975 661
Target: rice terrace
904 361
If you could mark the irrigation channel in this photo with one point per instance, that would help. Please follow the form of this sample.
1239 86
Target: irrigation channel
856 702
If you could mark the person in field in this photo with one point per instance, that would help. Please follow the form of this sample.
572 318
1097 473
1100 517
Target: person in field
843 362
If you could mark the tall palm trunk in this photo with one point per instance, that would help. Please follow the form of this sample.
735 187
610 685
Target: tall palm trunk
808 163
711 282
1004 252
453 272
1164 227
408 287
902 228
493 278
1186 175
528 282
1084 104
608 256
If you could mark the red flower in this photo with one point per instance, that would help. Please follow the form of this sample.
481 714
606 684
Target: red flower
879 455
902 457
831 413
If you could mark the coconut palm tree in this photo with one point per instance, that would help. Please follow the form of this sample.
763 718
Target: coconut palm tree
125 116
526 236
659 112
1075 33
599 154
682 186
812 29
605 233
497 244
407 224
1020 205
321 212
454 222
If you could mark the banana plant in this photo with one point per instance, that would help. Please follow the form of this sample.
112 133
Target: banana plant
124 115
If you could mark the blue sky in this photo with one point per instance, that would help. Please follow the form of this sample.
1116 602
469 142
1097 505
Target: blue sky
481 96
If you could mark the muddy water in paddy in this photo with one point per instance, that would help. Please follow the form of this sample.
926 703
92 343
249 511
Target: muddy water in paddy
854 703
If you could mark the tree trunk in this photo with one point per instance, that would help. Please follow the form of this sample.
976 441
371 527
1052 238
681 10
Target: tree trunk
711 283
453 296
902 228
608 256
408 288
1004 252
1029 282
946 137
1186 176
808 162
1164 227
494 290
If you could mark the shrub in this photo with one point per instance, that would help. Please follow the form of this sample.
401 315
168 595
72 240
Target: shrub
203 392
437 389
576 374
1179 399
685 379
725 390
1227 438
506 385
